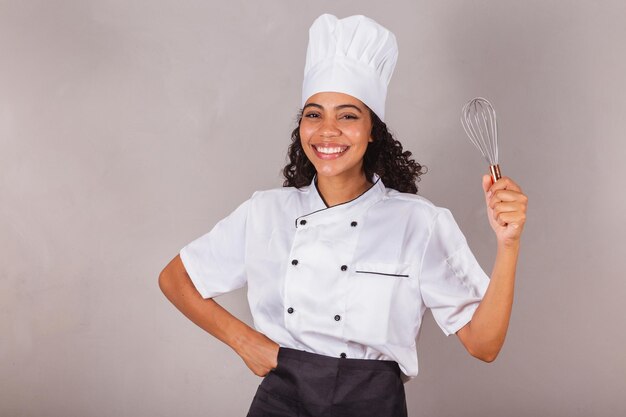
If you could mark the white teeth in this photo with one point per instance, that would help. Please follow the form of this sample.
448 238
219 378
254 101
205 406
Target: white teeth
330 150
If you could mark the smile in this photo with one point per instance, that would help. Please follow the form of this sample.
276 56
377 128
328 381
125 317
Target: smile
329 152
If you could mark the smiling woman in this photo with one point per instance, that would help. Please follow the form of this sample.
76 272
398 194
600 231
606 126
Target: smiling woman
342 261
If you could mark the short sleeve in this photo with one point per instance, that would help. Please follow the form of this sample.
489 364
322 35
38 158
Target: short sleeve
215 261
452 283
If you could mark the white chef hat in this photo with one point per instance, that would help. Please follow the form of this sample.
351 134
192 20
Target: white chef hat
354 55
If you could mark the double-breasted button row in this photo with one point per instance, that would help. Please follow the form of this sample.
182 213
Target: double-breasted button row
294 262
290 310
304 222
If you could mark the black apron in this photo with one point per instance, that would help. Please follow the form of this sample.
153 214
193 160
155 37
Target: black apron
306 384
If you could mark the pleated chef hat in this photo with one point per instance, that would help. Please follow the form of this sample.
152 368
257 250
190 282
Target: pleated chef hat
354 55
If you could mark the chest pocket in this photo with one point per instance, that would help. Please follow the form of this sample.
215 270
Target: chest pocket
385 269
381 303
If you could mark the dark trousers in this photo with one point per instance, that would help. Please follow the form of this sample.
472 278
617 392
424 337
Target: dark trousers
305 384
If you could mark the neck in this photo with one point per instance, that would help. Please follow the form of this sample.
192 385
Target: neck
337 190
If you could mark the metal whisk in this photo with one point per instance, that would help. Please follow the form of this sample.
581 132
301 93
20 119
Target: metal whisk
479 121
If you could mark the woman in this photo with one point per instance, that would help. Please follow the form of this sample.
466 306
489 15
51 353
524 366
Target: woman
342 262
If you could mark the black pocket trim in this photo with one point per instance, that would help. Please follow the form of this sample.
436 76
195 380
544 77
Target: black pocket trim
382 273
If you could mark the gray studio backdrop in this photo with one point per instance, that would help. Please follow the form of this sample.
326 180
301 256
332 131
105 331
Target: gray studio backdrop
128 128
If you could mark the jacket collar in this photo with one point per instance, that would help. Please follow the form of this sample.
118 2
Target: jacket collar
319 212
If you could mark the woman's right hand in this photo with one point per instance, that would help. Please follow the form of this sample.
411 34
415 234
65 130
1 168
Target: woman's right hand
258 352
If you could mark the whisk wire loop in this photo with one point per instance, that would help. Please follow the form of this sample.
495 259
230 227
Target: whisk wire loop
480 124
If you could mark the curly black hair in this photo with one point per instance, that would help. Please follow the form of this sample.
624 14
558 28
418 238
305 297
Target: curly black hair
384 156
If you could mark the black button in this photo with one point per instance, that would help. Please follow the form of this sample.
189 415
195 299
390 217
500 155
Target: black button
290 310
344 267
343 355
353 224
337 317
294 262
302 222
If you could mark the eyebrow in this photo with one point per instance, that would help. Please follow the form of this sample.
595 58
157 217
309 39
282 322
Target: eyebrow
339 107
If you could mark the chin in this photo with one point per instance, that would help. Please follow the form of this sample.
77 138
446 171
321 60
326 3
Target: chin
326 172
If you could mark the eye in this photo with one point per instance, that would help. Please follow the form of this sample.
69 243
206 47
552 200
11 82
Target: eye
311 115
349 116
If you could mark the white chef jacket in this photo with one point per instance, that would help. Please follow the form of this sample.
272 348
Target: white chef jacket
351 280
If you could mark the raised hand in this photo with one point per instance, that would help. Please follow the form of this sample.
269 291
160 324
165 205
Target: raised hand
506 209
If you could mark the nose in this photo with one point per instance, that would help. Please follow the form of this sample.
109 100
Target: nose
329 128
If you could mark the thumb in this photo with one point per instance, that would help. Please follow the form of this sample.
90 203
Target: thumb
486 183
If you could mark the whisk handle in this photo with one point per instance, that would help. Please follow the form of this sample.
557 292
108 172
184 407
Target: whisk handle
495 172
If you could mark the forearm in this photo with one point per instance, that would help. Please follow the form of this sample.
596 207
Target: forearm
257 351
206 313
487 329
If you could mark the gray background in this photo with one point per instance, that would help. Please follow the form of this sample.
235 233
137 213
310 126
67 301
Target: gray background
127 129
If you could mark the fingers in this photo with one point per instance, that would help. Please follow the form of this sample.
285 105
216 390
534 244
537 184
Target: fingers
504 183
508 207
507 201
505 189
513 218
506 196
509 212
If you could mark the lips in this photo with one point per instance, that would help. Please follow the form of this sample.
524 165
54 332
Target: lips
329 151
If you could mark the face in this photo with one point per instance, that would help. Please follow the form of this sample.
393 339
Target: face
334 131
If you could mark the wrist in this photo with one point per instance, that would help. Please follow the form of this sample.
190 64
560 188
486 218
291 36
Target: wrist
509 246
239 336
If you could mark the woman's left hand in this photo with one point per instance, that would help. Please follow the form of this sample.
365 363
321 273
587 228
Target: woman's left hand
506 209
